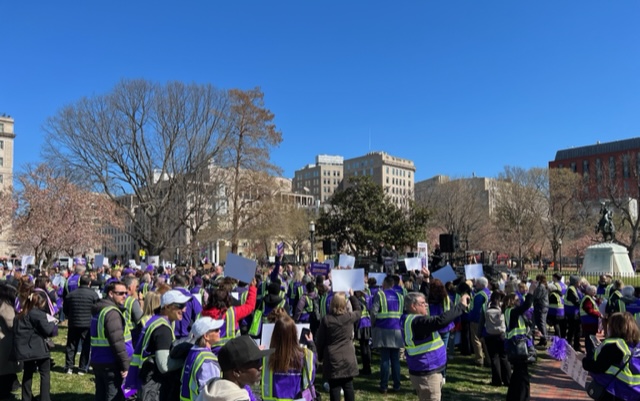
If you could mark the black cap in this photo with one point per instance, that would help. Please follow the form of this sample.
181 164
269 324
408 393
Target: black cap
239 352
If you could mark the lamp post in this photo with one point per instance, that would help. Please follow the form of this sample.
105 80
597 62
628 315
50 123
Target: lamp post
312 234
560 261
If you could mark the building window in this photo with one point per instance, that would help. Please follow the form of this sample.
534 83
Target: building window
598 170
1 161
585 168
1 128
612 168
625 166
1 178
573 167
1 144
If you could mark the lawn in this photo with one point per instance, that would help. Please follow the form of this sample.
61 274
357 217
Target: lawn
465 381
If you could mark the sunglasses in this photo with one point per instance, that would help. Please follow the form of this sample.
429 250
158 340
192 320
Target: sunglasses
120 293
178 306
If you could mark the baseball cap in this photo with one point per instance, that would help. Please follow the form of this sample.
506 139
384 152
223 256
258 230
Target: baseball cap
204 325
240 351
173 297
150 268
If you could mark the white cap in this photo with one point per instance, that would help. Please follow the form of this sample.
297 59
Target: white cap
174 297
204 325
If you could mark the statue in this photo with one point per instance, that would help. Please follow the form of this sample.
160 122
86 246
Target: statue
605 225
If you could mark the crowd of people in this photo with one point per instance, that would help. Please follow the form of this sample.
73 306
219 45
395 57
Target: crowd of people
193 334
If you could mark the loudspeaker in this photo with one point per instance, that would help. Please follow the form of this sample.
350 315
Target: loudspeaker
449 243
329 247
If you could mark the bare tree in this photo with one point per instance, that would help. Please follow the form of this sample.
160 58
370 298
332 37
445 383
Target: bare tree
144 139
560 217
459 206
518 209
246 160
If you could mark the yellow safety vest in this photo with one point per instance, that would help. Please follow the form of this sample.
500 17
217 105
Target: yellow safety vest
515 331
267 377
385 313
194 388
413 350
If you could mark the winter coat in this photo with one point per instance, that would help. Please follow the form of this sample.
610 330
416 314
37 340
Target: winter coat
334 341
7 316
78 306
30 331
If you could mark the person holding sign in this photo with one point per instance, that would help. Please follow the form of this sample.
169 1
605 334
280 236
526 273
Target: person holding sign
425 351
219 307
615 365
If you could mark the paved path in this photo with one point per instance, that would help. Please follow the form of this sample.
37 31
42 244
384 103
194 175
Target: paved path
548 382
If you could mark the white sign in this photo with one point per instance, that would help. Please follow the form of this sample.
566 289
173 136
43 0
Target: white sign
240 268
423 253
572 366
445 274
346 261
413 263
100 261
330 262
379 277
10 265
267 332
473 271
28 260
345 280
132 263
154 260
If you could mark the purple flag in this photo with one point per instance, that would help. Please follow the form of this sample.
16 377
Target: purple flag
280 249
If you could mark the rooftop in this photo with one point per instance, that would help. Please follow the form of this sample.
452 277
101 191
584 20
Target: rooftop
598 148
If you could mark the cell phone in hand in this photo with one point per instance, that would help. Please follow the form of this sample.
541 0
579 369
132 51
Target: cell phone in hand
303 336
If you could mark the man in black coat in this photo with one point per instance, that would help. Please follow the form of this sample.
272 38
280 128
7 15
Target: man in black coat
77 307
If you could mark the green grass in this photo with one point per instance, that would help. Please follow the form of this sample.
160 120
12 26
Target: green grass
465 381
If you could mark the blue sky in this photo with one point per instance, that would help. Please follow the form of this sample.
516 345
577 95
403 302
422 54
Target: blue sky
460 87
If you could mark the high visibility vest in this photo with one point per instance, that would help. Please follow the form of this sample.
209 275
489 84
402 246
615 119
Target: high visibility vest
270 388
434 341
556 305
567 301
325 301
626 375
385 313
521 329
365 311
583 313
128 312
189 374
141 355
101 351
230 327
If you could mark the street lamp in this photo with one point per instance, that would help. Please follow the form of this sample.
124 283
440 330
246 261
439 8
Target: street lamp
560 261
312 234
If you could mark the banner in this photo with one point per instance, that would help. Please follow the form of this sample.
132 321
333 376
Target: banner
154 260
318 269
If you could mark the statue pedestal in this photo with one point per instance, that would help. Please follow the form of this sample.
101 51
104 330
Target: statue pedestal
607 258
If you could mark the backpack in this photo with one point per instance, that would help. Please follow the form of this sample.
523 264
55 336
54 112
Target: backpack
494 322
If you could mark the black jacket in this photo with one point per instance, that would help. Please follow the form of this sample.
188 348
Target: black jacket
30 331
78 305
114 331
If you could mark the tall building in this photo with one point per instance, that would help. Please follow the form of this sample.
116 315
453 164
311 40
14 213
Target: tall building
320 179
7 136
604 167
396 175
482 190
